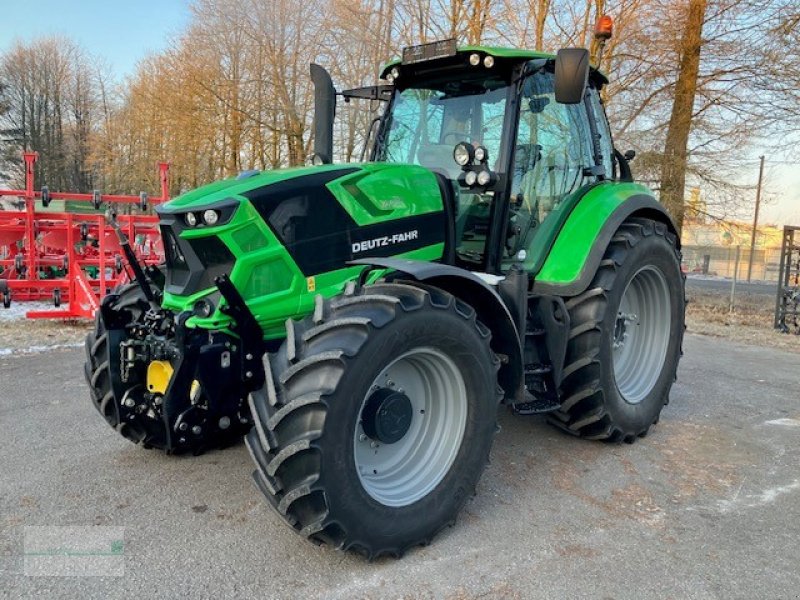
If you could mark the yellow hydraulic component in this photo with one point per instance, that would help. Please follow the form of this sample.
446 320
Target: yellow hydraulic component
159 372
194 391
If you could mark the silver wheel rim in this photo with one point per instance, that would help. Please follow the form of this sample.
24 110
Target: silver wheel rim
402 473
641 334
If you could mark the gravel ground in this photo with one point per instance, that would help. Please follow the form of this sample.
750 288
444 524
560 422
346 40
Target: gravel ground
707 506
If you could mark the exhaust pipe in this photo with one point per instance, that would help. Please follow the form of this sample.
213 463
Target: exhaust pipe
324 111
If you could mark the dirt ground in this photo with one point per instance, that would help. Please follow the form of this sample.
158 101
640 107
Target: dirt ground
708 313
31 336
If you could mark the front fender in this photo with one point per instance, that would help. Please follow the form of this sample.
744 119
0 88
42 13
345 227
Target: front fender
575 256
490 309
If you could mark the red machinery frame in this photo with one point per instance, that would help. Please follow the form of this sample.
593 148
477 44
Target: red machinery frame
51 239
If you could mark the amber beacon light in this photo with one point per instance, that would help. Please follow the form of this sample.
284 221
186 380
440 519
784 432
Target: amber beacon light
604 28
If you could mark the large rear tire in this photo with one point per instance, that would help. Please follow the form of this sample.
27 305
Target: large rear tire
376 418
625 337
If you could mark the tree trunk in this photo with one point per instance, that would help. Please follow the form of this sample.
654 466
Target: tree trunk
673 167
542 11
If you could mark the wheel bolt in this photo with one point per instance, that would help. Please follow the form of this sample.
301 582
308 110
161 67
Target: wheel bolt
129 402
373 445
183 426
362 437
197 430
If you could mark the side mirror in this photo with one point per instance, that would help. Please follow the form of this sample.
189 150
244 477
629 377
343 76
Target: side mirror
572 75
324 112
630 155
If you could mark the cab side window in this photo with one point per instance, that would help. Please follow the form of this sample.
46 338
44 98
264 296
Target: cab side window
552 149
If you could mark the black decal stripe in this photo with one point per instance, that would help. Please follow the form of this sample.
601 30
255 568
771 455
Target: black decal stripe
318 232
333 250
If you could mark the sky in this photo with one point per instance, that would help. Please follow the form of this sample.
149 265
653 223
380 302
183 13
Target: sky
120 31
123 32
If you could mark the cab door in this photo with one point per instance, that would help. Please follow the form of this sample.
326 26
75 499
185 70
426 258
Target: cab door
552 164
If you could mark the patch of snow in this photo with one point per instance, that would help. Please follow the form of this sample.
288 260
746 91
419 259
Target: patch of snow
768 496
37 349
784 422
17 310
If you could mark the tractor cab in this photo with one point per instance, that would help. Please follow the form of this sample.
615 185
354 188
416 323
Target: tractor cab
515 135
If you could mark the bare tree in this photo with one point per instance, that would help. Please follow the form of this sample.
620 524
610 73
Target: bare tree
673 171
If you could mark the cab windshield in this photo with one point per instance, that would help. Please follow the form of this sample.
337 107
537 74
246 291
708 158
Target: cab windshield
426 122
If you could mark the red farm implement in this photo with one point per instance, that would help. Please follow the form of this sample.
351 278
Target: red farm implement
71 258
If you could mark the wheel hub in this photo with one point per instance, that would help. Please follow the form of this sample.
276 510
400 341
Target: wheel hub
410 426
387 415
641 334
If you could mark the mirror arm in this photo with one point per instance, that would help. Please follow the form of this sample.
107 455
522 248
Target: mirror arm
624 167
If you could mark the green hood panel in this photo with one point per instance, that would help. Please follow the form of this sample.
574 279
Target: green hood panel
375 191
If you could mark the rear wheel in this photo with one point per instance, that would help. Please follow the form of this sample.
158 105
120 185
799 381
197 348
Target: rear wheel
376 418
625 338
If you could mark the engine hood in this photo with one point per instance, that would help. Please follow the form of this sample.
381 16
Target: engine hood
283 235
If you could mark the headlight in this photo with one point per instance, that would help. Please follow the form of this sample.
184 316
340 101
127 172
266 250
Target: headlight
463 154
203 308
191 219
488 62
481 154
210 217
484 177
474 59
395 73
470 178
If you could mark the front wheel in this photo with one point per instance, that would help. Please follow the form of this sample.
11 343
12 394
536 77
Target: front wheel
376 419
625 337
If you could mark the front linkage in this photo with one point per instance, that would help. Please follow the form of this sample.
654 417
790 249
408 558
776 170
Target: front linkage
174 387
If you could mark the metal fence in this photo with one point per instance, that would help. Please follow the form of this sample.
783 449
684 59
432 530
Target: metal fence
787 303
721 261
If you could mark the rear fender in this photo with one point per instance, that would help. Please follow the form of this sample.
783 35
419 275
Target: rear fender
490 309
575 256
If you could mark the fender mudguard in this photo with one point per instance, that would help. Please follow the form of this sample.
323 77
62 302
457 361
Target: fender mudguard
575 256
490 309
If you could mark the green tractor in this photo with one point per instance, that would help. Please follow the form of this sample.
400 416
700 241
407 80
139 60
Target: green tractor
360 323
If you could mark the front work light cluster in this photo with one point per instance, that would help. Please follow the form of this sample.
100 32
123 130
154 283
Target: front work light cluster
209 217
473 162
475 59
436 50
